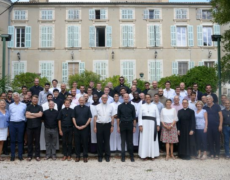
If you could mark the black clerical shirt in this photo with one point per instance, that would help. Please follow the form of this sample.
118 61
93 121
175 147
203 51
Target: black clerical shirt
65 116
50 117
35 90
126 112
81 114
34 122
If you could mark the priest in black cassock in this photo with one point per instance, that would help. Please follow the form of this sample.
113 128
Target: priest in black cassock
186 127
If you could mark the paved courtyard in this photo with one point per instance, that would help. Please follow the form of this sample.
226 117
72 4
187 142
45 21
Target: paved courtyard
116 170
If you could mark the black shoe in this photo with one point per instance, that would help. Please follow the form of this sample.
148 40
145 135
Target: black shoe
20 158
107 159
132 159
123 159
12 158
99 159
5 153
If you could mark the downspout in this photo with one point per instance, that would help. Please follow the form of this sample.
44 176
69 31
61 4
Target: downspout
8 50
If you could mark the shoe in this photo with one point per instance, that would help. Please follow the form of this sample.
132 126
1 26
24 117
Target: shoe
198 156
38 159
204 157
85 160
132 159
99 159
12 158
29 159
64 158
123 159
77 159
54 158
107 159
47 157
20 158
227 157
69 158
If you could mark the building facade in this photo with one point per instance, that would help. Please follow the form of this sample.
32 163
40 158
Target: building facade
157 38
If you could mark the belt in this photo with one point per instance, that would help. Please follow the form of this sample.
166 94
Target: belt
155 126
104 123
16 121
50 128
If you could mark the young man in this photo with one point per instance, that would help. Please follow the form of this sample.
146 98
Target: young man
134 83
98 91
168 92
153 90
56 99
208 90
63 94
198 93
161 96
54 86
24 92
147 88
122 84
192 102
42 98
183 92
82 92
36 89
106 92
9 100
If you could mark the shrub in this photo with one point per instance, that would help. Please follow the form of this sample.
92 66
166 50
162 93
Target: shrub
114 80
140 84
6 81
175 81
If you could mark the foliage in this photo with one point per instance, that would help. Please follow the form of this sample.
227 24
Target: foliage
175 81
140 84
27 79
221 14
84 78
5 82
113 79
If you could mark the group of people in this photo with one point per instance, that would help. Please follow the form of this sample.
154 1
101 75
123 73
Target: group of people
114 119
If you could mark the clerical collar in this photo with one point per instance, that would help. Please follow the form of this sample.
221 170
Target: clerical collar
51 109
98 90
185 109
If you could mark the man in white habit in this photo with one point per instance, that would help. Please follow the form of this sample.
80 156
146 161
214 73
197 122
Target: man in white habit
149 125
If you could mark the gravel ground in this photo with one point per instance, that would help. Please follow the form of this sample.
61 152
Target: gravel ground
116 170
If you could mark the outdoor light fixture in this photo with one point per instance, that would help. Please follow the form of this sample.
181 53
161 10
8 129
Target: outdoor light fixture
72 55
209 54
141 75
155 54
113 55
19 56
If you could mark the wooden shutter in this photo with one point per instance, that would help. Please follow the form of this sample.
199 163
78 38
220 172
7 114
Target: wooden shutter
191 64
102 14
200 35
146 14
11 32
158 35
156 14
216 29
49 36
18 68
28 36
46 70
199 14
154 71
108 36
128 69
190 36
124 36
91 36
91 14
173 35
151 35
131 36
200 63
101 68
65 72
81 67
130 14
76 36
175 68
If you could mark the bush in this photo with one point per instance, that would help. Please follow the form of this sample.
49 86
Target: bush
5 82
140 84
175 81
113 79
27 79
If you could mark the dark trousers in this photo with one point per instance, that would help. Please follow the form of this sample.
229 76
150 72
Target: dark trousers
67 140
201 140
226 131
51 141
103 139
5 146
214 140
81 137
33 136
126 131
16 130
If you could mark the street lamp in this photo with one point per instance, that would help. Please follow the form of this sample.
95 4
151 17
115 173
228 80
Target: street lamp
19 56
113 55
218 39
156 65
4 37
141 75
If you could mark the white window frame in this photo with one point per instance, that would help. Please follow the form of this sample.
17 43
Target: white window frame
47 61
187 13
206 10
106 68
53 35
14 14
79 26
47 9
186 38
134 69
133 13
75 9
15 36
209 60
149 68
211 34
182 60
160 13
21 61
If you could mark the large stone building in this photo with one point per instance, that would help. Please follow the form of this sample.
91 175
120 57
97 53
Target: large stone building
120 37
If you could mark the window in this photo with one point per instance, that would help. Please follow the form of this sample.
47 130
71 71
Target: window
47 69
181 14
207 33
47 36
181 36
97 14
69 68
100 36
127 14
73 36
101 68
154 70
154 35
128 69
209 63
206 14
20 15
127 35
182 66
18 67
47 14
151 14
73 14
20 36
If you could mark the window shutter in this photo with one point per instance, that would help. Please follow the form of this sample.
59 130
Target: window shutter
190 36
50 14
124 36
173 35
18 68
130 14
146 14
156 14
199 14
158 68
28 36
46 70
102 14
216 28
178 14
151 71
65 72
91 36
200 63
158 35
43 36
91 14
124 14
69 36
130 36
81 67
70 14
200 35
11 32
76 36
191 64
151 35
49 36
108 36
175 68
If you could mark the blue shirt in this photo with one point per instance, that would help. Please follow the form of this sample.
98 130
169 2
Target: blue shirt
17 112
200 120
4 119
213 114
159 105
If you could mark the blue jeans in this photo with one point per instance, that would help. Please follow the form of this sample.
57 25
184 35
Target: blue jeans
226 131
16 130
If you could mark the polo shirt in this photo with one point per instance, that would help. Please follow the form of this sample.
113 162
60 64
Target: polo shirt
81 114
35 90
50 117
213 114
65 116
226 117
34 122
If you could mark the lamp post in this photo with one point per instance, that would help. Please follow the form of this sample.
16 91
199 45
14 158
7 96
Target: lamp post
5 37
155 65
218 39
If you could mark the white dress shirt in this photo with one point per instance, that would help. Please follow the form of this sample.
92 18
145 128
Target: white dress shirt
104 113
110 99
169 94
192 105
183 93
45 106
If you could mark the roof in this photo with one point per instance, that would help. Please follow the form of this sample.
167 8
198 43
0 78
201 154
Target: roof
6 1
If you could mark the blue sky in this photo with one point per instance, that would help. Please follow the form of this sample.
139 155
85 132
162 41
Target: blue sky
169 0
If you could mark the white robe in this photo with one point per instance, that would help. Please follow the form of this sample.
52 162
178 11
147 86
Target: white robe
93 134
136 134
45 106
147 146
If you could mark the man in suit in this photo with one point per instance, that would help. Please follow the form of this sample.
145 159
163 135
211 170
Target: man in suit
198 93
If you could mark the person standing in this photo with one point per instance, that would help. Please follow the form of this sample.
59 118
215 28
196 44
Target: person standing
204 100
156 101
50 117
168 92
103 126
215 122
42 98
201 130
208 90
34 113
74 86
192 102
223 99
149 125
98 90
4 123
126 119
134 83
189 94
176 104
17 125
90 94
65 125
153 90
81 93
226 127
186 127
122 84
57 100
183 92
162 98
24 92
54 86
36 89
81 119
74 98
147 88
169 131
63 94
111 91
178 93
9 99
198 93
106 92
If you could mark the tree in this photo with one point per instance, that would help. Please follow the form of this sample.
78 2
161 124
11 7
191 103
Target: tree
175 81
6 81
221 14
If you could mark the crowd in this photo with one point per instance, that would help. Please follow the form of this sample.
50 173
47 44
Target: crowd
114 119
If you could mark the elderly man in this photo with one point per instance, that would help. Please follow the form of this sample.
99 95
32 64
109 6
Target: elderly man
226 127
176 104
16 126
126 119
223 99
106 92
81 119
215 122
153 90
51 130
63 94
103 126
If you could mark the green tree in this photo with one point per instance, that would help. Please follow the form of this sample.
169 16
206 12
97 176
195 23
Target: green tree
6 81
175 81
221 14
27 79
